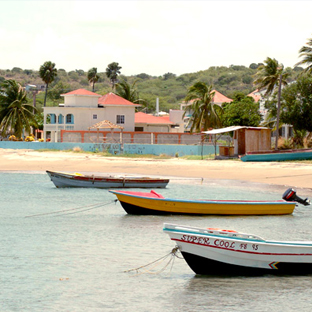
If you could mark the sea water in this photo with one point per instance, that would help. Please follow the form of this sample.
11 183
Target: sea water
60 252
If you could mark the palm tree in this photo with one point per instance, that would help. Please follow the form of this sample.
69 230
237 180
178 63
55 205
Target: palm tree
47 73
127 91
205 113
93 77
112 72
271 76
15 113
306 53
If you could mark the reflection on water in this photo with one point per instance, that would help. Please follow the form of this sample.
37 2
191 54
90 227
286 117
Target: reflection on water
267 293
77 262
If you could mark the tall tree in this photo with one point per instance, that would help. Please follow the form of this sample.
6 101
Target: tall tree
271 76
297 106
15 113
243 111
127 91
204 113
47 73
93 76
306 54
112 72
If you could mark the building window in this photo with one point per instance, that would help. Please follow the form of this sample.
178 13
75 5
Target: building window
94 116
139 129
52 118
60 119
69 119
120 119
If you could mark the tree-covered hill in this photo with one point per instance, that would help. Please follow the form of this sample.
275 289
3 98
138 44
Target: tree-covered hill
169 88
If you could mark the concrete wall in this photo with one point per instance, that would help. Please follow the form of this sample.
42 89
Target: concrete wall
81 100
116 149
132 137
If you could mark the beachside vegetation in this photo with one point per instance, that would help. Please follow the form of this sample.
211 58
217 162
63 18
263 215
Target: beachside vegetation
16 115
93 77
112 72
204 113
128 91
271 77
242 111
297 108
170 89
306 55
47 73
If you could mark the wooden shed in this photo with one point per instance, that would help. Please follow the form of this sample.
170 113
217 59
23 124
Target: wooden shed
245 139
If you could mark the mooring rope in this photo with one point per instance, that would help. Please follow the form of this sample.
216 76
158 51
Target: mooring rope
172 254
74 210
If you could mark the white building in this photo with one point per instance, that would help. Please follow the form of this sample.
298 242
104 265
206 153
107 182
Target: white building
82 109
285 130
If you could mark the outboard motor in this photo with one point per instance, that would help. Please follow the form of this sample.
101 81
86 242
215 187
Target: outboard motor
290 195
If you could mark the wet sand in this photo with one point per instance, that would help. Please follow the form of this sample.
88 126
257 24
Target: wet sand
288 174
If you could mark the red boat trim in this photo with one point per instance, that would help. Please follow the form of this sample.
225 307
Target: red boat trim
244 251
152 195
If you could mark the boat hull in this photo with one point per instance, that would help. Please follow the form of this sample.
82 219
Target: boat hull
204 266
61 180
143 204
278 156
218 252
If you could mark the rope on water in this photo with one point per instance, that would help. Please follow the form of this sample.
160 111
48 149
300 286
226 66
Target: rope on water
73 210
148 268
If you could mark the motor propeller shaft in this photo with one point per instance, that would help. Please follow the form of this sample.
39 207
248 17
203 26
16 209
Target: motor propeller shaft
290 195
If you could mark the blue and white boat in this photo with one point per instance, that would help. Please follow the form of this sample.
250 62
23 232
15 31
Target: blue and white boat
211 251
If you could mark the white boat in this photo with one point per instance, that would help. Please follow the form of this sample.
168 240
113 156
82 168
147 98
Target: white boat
211 251
64 179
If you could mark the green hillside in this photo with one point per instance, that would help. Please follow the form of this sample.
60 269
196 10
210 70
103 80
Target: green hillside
169 88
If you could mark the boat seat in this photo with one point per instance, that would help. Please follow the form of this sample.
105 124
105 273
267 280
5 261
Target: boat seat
156 194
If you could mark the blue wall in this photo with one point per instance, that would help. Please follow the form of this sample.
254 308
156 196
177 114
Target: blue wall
153 149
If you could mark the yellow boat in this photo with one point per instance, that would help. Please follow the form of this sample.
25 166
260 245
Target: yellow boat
142 203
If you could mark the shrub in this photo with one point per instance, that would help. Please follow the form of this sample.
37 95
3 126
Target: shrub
77 149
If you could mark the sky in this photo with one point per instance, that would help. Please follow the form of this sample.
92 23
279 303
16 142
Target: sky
152 37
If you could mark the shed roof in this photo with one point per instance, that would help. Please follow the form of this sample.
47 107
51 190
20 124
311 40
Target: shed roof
230 129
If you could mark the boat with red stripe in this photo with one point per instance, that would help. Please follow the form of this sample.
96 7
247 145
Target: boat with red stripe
211 251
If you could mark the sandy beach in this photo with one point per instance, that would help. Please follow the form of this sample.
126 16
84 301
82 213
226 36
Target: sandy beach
290 174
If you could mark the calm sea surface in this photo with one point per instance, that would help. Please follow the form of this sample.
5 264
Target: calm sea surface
76 260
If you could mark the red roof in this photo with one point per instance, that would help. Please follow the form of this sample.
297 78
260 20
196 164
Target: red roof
150 119
81 92
256 97
114 99
220 98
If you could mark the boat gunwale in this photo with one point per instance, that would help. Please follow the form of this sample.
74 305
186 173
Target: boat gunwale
231 236
73 176
205 201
